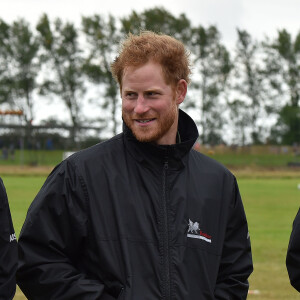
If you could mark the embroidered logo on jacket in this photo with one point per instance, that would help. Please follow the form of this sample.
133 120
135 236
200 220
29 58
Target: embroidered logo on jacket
195 232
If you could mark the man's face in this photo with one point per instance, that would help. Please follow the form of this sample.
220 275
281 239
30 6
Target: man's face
149 105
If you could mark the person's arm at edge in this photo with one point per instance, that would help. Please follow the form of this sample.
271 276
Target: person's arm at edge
8 249
293 254
52 235
236 261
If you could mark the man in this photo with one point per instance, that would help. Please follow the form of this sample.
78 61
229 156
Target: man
8 249
141 216
293 254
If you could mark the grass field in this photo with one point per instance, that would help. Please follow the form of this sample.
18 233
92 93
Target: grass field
34 157
270 203
259 156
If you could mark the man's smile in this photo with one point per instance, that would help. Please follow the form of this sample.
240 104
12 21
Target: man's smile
145 121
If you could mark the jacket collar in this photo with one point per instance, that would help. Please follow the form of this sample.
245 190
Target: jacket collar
149 153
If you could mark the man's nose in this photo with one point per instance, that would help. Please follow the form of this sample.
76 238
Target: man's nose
141 105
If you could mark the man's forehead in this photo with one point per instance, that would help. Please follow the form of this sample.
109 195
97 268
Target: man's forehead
142 72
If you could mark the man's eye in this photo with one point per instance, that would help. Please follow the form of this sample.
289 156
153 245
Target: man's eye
130 95
151 94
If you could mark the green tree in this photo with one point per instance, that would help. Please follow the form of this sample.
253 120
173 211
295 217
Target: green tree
5 54
289 52
158 20
103 38
62 55
287 129
19 67
249 82
239 121
212 66
283 70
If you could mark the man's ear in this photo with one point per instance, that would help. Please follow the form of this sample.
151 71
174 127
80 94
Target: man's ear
181 90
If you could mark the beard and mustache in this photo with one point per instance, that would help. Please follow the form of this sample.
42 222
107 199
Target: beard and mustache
153 132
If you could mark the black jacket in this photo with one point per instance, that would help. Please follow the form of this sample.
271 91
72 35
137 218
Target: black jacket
8 249
131 220
293 254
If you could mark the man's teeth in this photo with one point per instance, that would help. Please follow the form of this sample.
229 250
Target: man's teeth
144 121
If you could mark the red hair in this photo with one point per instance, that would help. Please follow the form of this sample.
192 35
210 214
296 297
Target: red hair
137 50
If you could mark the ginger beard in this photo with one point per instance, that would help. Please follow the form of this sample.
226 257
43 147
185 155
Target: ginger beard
163 123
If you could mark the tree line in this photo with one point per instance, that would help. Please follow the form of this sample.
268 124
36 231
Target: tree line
245 95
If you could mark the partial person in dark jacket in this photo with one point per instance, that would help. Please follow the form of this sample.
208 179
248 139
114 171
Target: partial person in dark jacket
293 254
8 249
142 216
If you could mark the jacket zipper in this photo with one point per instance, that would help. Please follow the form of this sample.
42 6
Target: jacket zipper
166 255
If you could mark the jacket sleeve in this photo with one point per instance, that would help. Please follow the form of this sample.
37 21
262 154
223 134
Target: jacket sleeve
236 260
52 240
293 254
8 249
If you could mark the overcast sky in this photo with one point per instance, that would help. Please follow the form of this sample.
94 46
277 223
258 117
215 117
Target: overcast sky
259 17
